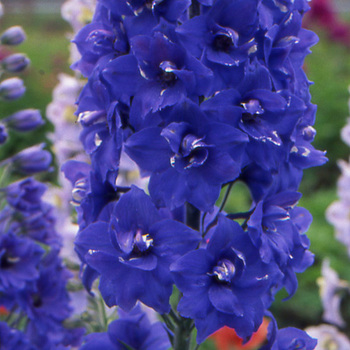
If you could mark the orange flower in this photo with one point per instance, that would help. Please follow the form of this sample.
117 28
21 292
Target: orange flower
3 311
227 339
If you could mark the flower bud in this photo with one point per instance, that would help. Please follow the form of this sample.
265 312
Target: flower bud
3 134
15 63
11 89
32 160
13 36
25 120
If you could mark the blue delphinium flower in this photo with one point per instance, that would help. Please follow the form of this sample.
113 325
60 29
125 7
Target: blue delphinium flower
161 79
100 38
14 35
224 284
289 338
90 194
13 339
3 134
31 160
131 330
46 304
19 259
276 228
15 63
133 251
224 34
11 89
26 214
189 158
33 279
24 120
25 195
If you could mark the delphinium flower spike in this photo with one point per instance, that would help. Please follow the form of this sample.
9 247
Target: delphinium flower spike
33 279
201 95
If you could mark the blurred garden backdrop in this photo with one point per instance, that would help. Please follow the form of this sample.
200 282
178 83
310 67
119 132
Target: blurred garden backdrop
328 67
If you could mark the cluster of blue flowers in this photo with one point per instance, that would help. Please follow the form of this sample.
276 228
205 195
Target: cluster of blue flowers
33 296
201 95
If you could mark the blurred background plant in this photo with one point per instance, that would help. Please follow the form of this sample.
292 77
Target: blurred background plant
328 67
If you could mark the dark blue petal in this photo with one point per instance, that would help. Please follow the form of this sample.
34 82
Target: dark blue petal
192 35
149 150
224 300
98 341
145 262
135 210
195 304
172 238
168 189
123 75
96 238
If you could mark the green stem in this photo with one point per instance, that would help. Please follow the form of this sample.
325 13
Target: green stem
5 174
182 334
228 190
183 327
242 215
102 314
169 323
174 316
222 206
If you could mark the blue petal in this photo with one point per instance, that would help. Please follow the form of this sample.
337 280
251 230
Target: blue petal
123 76
208 325
173 238
190 272
151 98
195 304
146 262
168 189
159 288
135 210
98 341
95 237
149 150
174 134
192 34
132 332
223 236
119 284
224 300
157 339
224 136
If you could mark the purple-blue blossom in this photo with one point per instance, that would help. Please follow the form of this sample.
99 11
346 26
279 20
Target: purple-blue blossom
13 36
31 160
24 120
131 330
133 251
33 280
19 260
289 338
11 89
15 63
13 339
189 158
225 283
